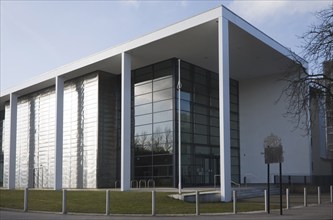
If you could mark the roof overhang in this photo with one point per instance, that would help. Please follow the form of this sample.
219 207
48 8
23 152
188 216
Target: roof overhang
251 52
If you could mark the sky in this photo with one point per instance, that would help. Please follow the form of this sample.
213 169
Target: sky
39 36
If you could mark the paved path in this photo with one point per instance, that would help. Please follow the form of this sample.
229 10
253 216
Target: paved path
318 212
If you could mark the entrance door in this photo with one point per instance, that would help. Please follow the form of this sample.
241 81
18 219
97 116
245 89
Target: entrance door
207 167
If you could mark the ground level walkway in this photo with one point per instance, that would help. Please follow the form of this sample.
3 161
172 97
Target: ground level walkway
322 212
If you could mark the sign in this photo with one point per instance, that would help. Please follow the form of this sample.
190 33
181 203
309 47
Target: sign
273 149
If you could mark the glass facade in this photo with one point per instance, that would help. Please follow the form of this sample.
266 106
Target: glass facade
156 124
200 126
35 140
90 143
91 129
153 114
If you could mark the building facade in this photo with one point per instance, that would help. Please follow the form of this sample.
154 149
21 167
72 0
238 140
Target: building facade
188 105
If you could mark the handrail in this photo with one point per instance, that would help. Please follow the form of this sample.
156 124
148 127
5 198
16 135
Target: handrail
116 183
153 181
134 181
237 184
216 175
143 181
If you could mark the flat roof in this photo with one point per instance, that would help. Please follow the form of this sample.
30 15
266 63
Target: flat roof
194 40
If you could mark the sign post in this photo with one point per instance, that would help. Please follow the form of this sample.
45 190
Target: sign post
273 154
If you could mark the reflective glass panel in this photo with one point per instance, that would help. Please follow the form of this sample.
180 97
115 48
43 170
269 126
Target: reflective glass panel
143 119
163 127
162 105
142 89
143 99
143 109
162 95
162 83
163 116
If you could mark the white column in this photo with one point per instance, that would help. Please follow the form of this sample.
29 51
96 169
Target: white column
125 181
59 132
225 164
12 141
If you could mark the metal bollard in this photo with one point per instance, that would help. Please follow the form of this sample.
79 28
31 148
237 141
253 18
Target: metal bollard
64 201
305 198
287 199
234 198
319 196
197 211
331 192
26 191
266 202
107 203
153 207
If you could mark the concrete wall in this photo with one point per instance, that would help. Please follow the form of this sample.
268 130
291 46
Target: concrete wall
260 116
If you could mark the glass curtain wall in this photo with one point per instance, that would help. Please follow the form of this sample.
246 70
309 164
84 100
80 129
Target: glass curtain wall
2 117
80 132
200 126
153 114
90 134
34 142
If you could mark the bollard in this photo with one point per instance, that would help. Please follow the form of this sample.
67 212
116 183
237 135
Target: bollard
107 203
64 211
287 199
234 198
25 208
197 211
266 202
305 198
153 209
331 192
319 196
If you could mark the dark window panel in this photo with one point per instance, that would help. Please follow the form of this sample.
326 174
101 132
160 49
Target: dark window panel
165 159
143 161
201 119
200 139
201 150
200 129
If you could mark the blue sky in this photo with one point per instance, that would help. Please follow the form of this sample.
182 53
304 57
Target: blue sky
38 36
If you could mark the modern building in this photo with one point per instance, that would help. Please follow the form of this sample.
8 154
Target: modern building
114 118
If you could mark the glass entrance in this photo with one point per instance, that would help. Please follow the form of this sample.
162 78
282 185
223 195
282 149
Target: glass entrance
207 167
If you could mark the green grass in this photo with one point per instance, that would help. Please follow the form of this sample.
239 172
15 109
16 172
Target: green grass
121 202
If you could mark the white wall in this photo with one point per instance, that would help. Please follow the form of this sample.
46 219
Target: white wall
260 116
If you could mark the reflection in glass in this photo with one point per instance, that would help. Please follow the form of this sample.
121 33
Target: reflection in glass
162 83
143 109
162 105
163 116
163 127
143 89
162 95
143 99
143 119
144 129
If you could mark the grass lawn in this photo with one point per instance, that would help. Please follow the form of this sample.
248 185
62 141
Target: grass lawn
121 202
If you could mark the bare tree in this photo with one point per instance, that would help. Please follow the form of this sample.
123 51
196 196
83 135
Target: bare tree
315 81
